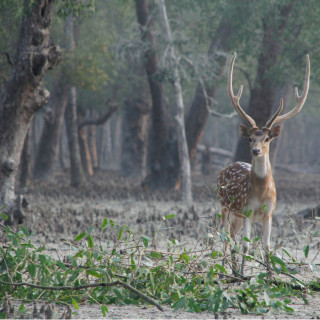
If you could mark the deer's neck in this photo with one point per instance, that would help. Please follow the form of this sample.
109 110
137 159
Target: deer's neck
261 167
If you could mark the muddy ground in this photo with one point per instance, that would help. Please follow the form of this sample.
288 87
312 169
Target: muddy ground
57 213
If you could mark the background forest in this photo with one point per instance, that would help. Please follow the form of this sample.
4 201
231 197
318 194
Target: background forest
110 49
110 112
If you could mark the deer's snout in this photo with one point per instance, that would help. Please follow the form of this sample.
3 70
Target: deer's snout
255 151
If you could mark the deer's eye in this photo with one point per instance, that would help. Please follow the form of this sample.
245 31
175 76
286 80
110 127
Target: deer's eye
267 139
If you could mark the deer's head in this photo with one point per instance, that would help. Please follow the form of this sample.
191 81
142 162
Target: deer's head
260 138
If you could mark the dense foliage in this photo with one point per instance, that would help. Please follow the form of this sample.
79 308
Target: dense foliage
127 270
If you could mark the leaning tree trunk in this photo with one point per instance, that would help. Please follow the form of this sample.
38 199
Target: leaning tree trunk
185 170
36 53
264 89
163 148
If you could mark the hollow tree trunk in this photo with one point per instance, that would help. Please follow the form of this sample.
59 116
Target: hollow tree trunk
47 154
36 53
163 153
264 89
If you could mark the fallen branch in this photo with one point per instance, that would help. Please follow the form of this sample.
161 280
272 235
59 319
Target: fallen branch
85 286
217 151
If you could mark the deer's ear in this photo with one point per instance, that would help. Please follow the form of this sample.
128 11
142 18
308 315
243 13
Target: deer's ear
275 132
244 130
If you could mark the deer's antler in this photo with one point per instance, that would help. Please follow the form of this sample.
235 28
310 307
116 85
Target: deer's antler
300 101
235 99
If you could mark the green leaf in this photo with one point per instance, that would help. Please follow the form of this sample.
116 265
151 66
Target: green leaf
306 250
169 216
120 233
94 273
288 309
21 308
42 259
246 239
75 304
90 242
32 269
118 293
4 216
25 231
181 303
104 310
145 240
214 254
104 223
185 257
275 259
221 268
80 236
249 213
61 265
155 255
286 252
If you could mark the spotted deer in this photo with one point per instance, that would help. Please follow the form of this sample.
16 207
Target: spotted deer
246 191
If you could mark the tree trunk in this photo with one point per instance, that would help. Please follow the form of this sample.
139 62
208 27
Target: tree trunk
92 139
36 53
185 170
76 173
198 114
47 154
135 127
284 92
163 155
25 162
264 89
85 152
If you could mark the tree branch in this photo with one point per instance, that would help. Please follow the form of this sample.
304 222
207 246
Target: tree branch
91 285
99 121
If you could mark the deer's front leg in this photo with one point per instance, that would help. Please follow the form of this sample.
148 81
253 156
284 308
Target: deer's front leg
246 246
266 233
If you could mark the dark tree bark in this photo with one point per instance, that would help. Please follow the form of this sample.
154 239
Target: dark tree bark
25 162
164 161
47 154
36 53
264 89
198 114
71 118
135 127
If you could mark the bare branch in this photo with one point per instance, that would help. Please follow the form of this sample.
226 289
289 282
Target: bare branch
99 121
